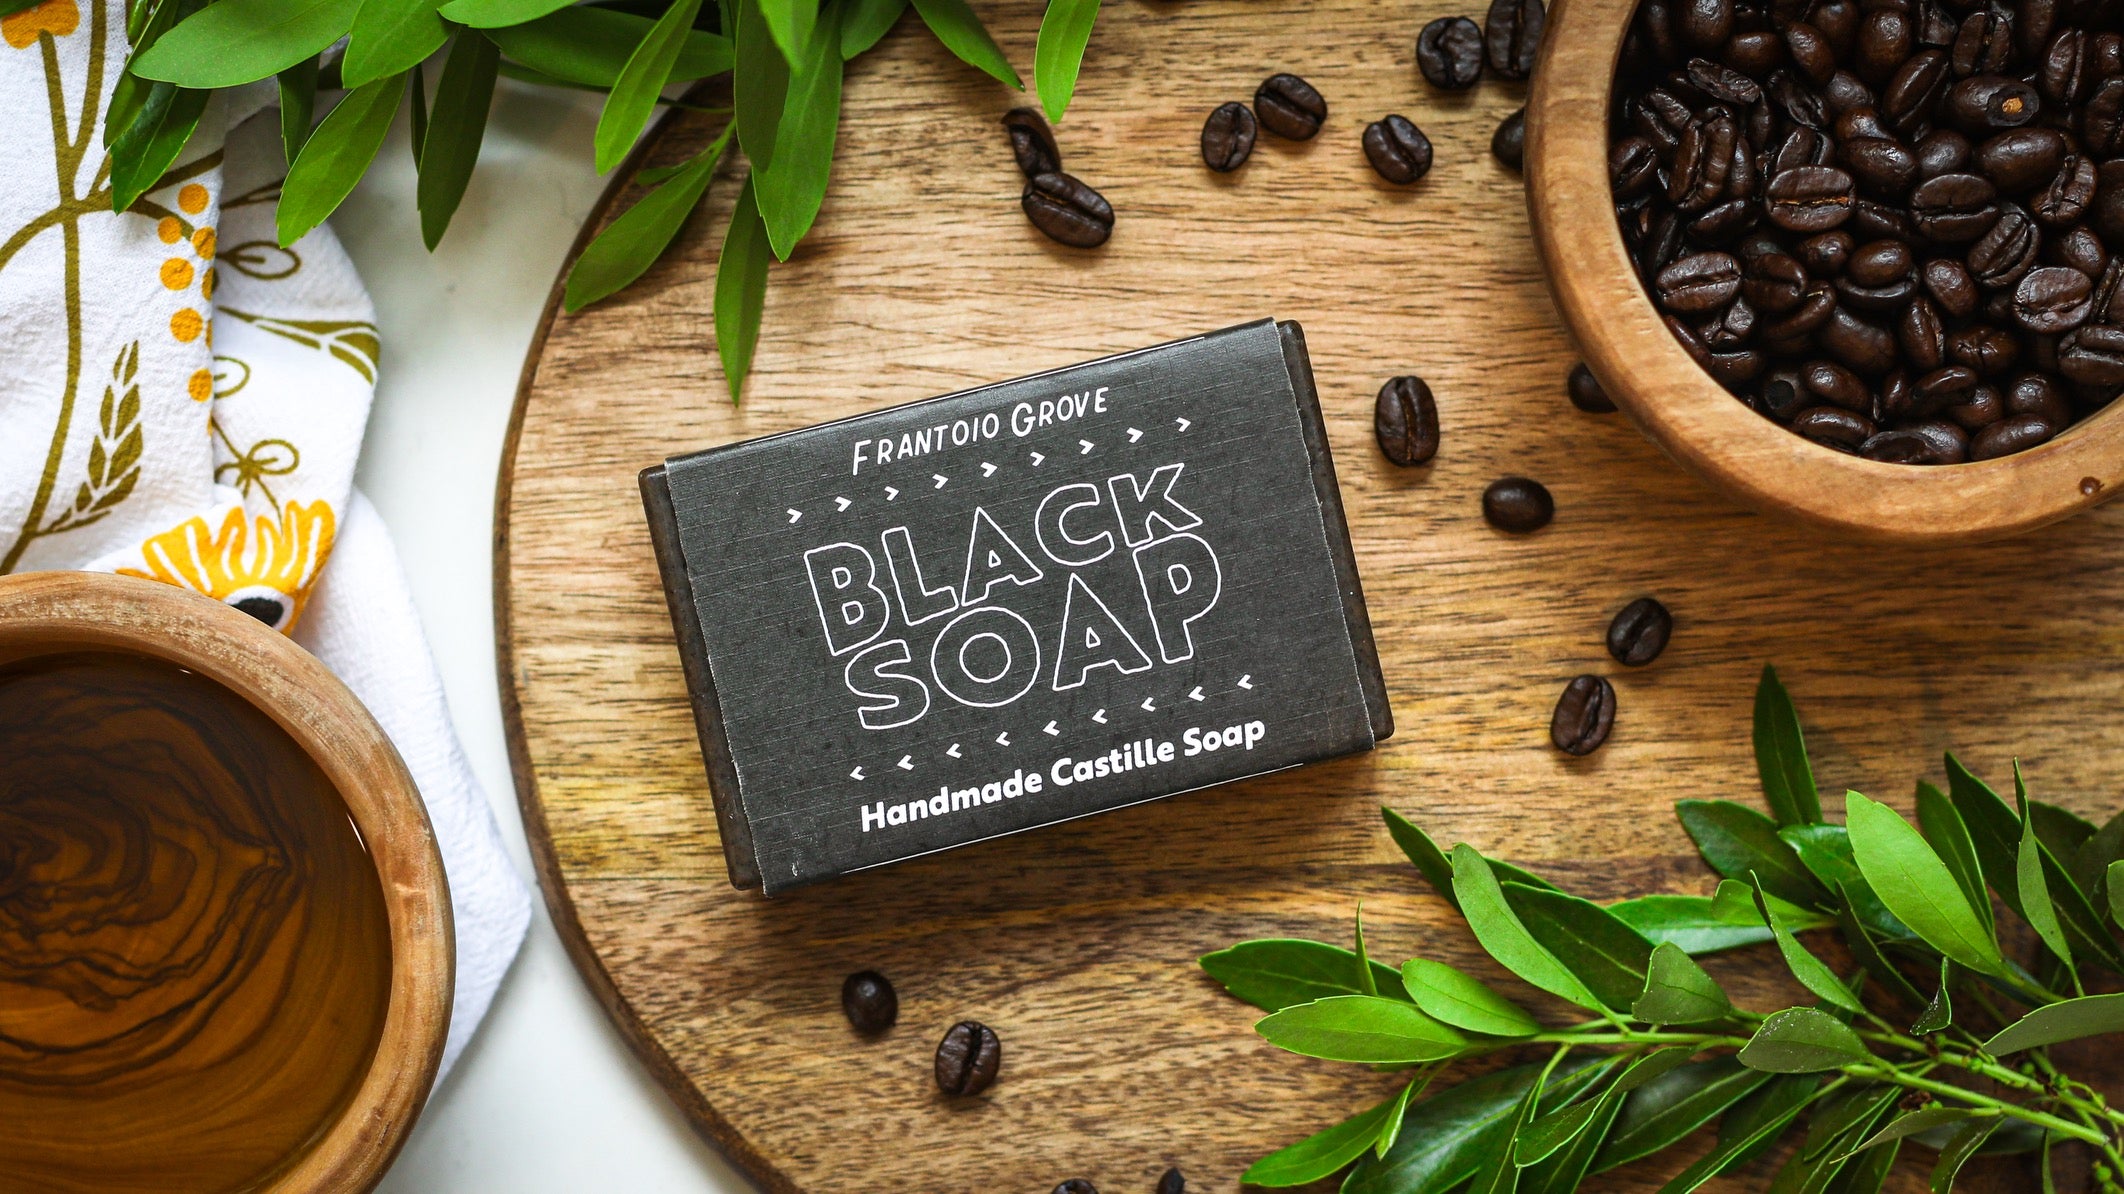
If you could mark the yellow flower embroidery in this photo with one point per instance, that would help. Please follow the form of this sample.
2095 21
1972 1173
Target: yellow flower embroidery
56 17
260 568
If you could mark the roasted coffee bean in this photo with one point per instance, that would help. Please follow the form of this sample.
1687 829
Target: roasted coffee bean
2102 119
1774 282
1915 89
1068 211
1942 151
1920 335
967 1059
1982 104
1449 53
1783 395
1511 37
1862 347
1584 716
2108 213
2061 77
2093 355
1944 387
1838 20
1755 53
1838 386
2053 300
1697 283
1518 504
2020 160
2039 394
2007 250
1633 166
1845 91
1734 369
1586 392
1871 220
1881 167
1032 142
1834 427
1172 1181
1810 52
1722 83
1949 284
1228 137
1397 149
1810 198
1800 146
1800 104
1814 310
1954 208
1886 38
1881 263
2068 194
1076 1185
1289 107
869 1002
1988 350
1640 632
1826 255
1931 442
1509 143
2033 23
2007 436
1729 329
1980 408
1984 43
1405 421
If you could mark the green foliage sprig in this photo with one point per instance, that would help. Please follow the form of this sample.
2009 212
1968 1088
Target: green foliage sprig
785 59
1937 1039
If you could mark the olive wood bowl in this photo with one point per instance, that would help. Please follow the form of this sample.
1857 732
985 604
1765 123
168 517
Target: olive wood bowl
1675 403
50 612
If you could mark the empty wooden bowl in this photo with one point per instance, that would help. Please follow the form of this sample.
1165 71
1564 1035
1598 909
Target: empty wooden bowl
225 938
1684 411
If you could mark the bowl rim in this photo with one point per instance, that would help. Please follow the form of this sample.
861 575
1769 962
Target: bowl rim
48 612
1695 421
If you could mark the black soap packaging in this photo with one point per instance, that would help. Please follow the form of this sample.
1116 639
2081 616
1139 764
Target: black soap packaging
1016 605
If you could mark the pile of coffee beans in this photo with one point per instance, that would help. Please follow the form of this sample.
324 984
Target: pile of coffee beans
1884 224
1058 204
1452 54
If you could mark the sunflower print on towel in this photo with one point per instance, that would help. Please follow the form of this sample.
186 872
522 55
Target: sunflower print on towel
264 568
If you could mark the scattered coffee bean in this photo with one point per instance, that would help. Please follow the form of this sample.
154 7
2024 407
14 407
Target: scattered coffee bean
1397 149
1289 107
1509 143
869 1002
1032 142
1171 1181
1512 36
1586 392
1068 211
1228 137
1584 716
1076 1185
1449 53
967 1059
1640 632
1405 421
1518 504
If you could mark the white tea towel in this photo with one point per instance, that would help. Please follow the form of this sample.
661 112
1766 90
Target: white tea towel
183 399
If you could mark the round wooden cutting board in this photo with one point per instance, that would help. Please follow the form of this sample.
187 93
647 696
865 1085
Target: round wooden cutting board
1077 942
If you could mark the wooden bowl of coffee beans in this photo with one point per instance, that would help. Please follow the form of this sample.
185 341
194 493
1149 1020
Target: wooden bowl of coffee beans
1858 263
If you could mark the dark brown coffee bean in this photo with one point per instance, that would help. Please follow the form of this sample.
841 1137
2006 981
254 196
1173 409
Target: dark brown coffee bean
1915 89
1512 37
1881 167
1800 146
2007 436
1586 392
1845 91
1783 395
1814 311
2093 355
1881 263
2020 160
1509 143
1942 151
2108 212
1698 283
1729 329
1228 137
1872 220
1920 335
2041 395
1838 386
1172 1181
1068 211
1838 20
1704 25
869 1002
1984 43
1755 53
1886 38
1518 504
1833 427
2007 250
1810 52
1810 198
2061 77
1633 166
1075 1185
1449 53
1800 104
1397 149
1944 387
1931 442
2033 23
1826 255
2102 119
1949 284
1722 83
1862 347
967 1059
1639 632
1981 104
1954 208
1288 106
1032 142
1405 421
1584 716
1734 369
1991 351
1774 283
2069 193
2053 300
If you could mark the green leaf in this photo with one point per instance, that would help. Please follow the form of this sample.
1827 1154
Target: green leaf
1464 1001
1446 1137
241 41
1825 850
1867 949
1366 983
1835 1126
793 186
865 22
1544 1136
1750 1126
390 37
9 8
759 86
961 32
1652 1065
1943 828
2116 892
2089 1015
1996 833
333 160
1781 755
491 14
1361 1028
633 97
2062 831
1868 1172
1064 32
1736 898
590 46
1802 1040
790 23
1608 956
1939 1013
455 129
298 105
2036 907
1562 1172
1922 1120
1678 991
1674 1104
1697 924
1324 1152
1390 1128
1498 928
2094 856
1738 841
417 97
1276 973
1499 1175
1422 851
146 150
1916 886
1811 971
1963 1145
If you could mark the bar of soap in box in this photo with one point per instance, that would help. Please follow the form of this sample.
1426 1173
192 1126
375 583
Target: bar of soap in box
1025 603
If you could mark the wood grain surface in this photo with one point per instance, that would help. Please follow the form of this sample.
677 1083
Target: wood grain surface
1077 943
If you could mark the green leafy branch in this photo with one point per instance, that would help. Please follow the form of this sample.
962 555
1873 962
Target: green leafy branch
1938 1039
784 60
